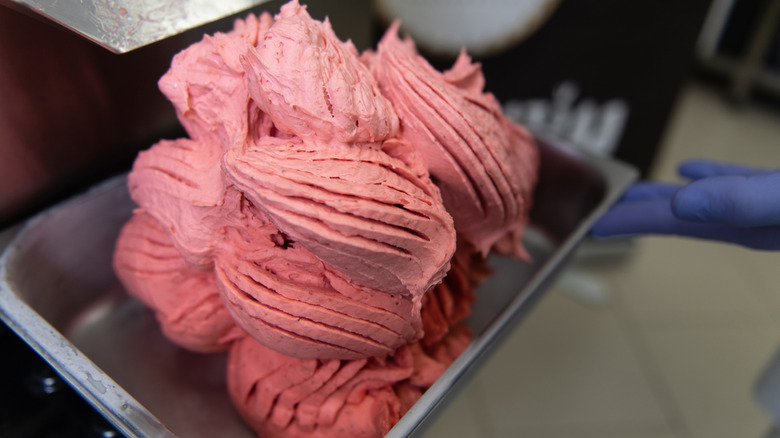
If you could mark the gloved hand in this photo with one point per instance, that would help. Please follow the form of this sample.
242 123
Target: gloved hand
723 202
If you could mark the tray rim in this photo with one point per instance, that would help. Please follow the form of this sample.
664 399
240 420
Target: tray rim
134 420
123 411
617 177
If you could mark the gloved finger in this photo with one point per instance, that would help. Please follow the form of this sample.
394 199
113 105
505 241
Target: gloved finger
699 169
738 201
656 217
651 216
647 190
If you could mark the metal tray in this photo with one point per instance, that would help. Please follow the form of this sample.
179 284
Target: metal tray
58 292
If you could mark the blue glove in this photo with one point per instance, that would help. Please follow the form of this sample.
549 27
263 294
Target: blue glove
723 202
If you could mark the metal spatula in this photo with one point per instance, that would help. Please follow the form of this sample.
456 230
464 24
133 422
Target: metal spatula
124 25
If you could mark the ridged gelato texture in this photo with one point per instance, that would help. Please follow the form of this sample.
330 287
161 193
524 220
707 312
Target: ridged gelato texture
279 395
185 299
321 245
298 226
314 85
485 165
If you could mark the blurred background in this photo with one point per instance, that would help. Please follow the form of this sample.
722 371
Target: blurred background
653 338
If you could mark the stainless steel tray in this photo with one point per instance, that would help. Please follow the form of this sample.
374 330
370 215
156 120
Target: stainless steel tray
59 293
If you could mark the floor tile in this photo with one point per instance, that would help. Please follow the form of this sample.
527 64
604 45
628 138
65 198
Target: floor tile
671 280
461 418
705 125
567 367
596 430
711 373
761 269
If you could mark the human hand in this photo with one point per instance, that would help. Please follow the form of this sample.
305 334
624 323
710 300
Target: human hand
722 202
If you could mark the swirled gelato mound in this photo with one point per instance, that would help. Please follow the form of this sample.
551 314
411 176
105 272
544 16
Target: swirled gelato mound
320 247
299 228
280 395
484 164
185 299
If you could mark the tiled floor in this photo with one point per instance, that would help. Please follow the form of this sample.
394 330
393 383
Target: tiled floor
677 348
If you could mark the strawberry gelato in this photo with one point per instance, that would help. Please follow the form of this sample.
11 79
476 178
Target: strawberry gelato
484 164
306 225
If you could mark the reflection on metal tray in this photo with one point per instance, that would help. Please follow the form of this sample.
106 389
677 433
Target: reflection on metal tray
122 26
59 293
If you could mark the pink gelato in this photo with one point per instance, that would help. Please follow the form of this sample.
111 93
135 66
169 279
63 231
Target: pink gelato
280 395
321 248
484 164
185 299
298 226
